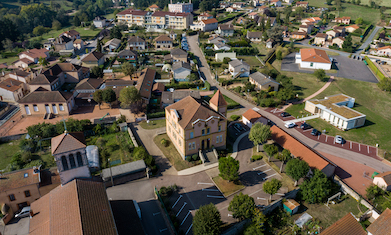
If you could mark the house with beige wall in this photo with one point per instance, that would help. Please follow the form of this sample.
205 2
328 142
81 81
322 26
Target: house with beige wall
383 180
320 39
337 110
20 188
263 82
339 41
93 59
193 125
11 90
163 42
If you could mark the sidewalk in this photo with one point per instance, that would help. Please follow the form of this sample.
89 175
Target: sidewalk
304 118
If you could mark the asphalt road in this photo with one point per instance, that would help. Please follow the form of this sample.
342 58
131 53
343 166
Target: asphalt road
368 40
345 154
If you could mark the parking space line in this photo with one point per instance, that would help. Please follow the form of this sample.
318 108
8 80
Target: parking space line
280 194
326 139
259 166
213 190
162 230
186 217
180 196
206 183
264 171
350 145
189 229
255 192
260 198
184 204
229 215
359 147
269 176
368 148
215 196
156 213
318 137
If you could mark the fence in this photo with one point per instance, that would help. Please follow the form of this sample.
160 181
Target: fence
172 228
374 69
132 137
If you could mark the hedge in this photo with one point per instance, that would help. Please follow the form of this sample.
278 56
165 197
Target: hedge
374 69
366 31
156 115
245 50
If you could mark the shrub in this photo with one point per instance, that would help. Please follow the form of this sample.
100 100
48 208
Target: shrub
256 157
270 149
235 117
195 157
156 115
188 158
164 142
268 102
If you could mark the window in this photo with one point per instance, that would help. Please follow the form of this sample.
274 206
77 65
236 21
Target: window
219 128
217 139
27 193
12 197
180 142
312 64
61 107
203 131
221 138
35 108
72 161
79 159
193 145
191 135
64 162
207 130
190 146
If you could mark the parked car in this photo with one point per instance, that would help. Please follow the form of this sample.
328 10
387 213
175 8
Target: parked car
23 213
239 126
339 139
305 126
290 124
285 114
315 132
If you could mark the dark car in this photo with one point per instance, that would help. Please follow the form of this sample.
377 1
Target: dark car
285 114
315 132
305 126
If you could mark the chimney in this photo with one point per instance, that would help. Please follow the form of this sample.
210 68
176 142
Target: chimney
51 72
31 213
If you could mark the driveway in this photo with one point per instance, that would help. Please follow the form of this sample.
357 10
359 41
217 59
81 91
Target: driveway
368 40
16 227
346 68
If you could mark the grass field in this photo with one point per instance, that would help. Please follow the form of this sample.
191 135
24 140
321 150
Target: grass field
7 151
227 188
66 5
153 124
8 60
371 101
84 32
250 60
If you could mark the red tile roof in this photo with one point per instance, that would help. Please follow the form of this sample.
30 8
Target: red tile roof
19 178
154 6
10 84
348 225
132 12
163 38
251 115
210 21
381 226
314 55
35 53
67 142
218 99
386 177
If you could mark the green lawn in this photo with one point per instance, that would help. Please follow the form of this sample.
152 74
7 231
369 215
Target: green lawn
251 60
66 5
153 124
9 60
261 48
7 151
297 110
371 101
84 32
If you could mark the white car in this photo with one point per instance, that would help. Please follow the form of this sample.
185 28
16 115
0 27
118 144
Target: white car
23 213
290 124
338 139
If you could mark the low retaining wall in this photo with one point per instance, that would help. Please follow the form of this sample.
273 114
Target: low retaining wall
11 137
132 137
346 189
290 195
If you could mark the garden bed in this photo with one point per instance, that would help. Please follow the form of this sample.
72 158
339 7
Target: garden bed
227 187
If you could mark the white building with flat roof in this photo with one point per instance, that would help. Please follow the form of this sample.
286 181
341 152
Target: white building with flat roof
181 7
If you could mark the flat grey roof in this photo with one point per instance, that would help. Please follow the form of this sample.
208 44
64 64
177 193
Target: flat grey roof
124 169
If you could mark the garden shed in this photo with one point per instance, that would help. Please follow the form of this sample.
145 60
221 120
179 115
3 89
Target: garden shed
291 206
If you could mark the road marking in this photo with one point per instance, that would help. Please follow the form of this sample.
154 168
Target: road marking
269 176
318 137
281 194
176 201
230 215
186 217
213 190
260 198
255 192
184 204
189 229
264 171
156 213
162 230
215 196
326 139
368 148
350 145
256 109
359 147
206 183
259 167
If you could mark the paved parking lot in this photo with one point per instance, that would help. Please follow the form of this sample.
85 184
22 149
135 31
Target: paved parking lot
238 128
16 227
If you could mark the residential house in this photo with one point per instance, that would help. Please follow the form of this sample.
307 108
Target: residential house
78 44
302 4
219 57
31 57
256 2
338 41
300 150
24 76
231 9
193 125
64 45
129 55
254 36
221 46
170 97
154 8
68 73
383 51
22 63
383 180
347 225
311 20
238 5
238 68
351 28
337 110
181 7
11 90
169 20
342 20
263 82
320 39
332 34
112 45
46 81
381 225
204 16
217 39
340 29
93 59
250 117
20 188
69 152
306 28
158 88
145 84
276 3
241 20
297 35
79 207
176 55
72 34
224 5
163 42
100 22
42 101
270 43
136 43
252 15
208 25
311 58
263 9
288 1
132 17
181 71
172 34
225 30
267 21
85 88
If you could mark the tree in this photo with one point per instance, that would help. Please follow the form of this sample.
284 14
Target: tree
329 2
279 55
76 21
39 30
316 189
285 94
347 45
192 77
99 45
297 169
372 191
283 157
242 206
97 96
96 72
129 96
271 187
42 61
385 84
275 33
109 96
358 2
270 149
320 74
115 32
56 25
207 220
259 219
259 133
7 44
359 20
128 69
229 168
278 18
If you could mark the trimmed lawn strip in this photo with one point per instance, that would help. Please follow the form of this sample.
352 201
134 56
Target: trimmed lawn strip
8 149
153 124
227 188
172 154
250 60
297 110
